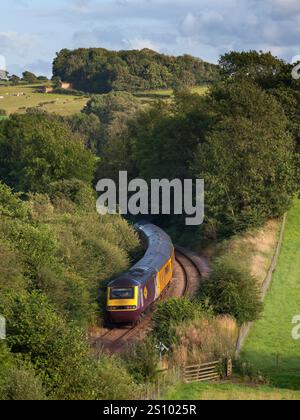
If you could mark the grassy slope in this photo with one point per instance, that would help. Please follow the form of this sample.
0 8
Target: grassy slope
226 391
60 104
271 336
201 90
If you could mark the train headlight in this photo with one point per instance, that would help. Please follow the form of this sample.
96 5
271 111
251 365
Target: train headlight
121 308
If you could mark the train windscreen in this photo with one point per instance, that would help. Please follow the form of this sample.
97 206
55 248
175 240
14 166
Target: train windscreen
116 294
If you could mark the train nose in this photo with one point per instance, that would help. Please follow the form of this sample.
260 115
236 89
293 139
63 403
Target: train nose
124 316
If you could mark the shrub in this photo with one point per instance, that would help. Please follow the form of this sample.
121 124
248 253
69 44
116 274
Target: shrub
169 314
36 244
23 384
231 290
10 203
142 360
3 113
75 191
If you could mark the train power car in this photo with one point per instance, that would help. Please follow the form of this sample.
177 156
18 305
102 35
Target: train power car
131 294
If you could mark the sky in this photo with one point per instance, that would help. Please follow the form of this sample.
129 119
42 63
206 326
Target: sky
32 31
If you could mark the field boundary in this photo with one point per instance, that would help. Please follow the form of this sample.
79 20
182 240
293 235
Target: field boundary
245 328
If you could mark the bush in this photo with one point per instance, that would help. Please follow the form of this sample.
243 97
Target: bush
75 191
10 203
36 244
2 113
169 314
231 290
23 384
142 360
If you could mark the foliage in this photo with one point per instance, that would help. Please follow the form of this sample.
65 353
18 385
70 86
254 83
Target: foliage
260 66
89 128
205 339
74 191
248 158
231 290
171 313
3 113
98 70
142 360
59 352
38 149
29 77
59 244
23 383
10 204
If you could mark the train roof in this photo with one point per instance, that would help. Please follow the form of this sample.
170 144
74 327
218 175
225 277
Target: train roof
159 251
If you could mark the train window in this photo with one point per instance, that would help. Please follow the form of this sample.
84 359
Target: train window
116 294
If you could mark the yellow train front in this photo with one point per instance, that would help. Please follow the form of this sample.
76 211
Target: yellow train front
131 294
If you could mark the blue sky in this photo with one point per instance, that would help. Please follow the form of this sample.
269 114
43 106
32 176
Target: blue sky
32 31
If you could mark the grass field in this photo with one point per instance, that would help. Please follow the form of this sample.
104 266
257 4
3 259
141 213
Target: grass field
226 391
201 90
270 346
28 98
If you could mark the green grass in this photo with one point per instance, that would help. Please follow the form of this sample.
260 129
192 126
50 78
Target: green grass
55 103
205 391
270 346
201 90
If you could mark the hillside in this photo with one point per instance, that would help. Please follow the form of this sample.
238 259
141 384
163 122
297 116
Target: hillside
98 70
16 99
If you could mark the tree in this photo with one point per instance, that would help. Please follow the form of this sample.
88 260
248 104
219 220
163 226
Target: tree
231 290
260 66
98 70
37 149
89 128
114 111
15 80
29 77
248 158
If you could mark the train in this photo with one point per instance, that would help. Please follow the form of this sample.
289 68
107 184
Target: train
132 294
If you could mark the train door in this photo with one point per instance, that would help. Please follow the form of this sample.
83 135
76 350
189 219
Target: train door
141 297
157 286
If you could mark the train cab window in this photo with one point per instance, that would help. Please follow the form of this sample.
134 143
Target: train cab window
116 294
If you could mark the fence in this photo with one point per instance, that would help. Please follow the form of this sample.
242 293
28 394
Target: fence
245 328
203 372
207 371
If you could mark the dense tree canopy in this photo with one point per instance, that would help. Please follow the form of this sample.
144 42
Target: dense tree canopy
99 71
37 149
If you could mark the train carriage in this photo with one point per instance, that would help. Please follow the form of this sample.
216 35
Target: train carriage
132 293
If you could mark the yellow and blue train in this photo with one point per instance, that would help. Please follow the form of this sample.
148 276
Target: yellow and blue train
131 294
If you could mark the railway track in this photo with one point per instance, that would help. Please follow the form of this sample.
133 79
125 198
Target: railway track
188 271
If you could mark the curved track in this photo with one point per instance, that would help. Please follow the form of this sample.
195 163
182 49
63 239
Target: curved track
188 271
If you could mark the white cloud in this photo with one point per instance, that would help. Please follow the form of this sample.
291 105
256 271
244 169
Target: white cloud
2 62
140 43
13 41
33 34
